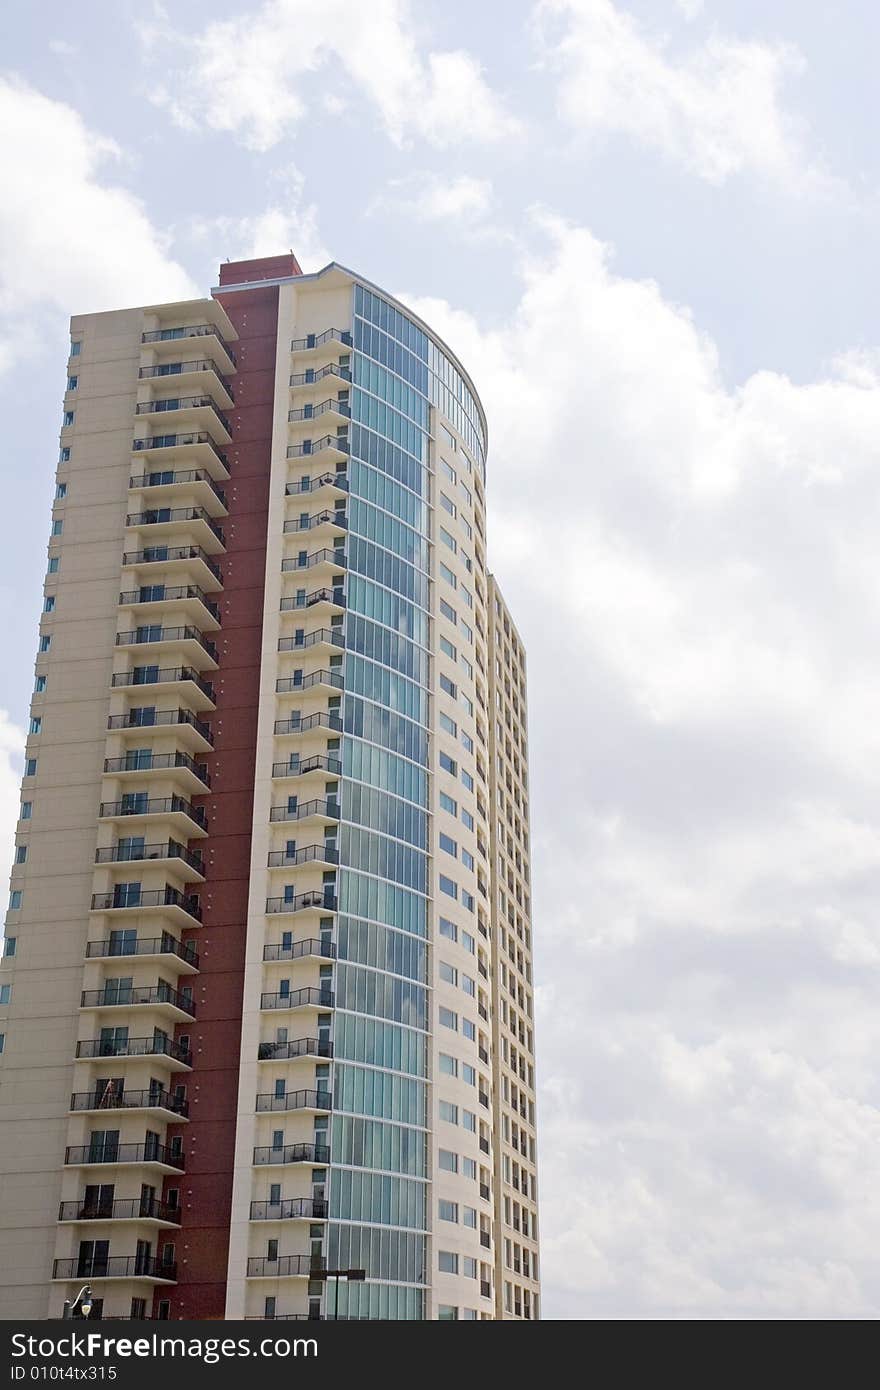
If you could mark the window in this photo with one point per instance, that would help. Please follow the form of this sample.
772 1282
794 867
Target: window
468 900
72 383
448 973
449 845
467 818
467 858
447 1161
468 1029
448 725
30 769
448 471
448 764
450 438
448 1211
448 612
448 540
469 986
35 725
468 1074
9 943
467 703
2 1041
39 685
27 808
448 929
45 642
448 804
60 492
466 741
54 562
447 1018
448 887
446 573
447 1111
468 942
467 596
447 648
449 687
448 505
447 1262
64 455
469 1168
445 1312
49 603
69 417
57 527
469 1266
468 631
75 347
469 1122
467 779
448 1065
21 852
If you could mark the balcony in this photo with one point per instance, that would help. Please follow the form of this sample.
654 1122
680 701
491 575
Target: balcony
159 998
169 899
167 485
291 1209
152 1154
189 643
315 680
163 339
289 1051
311 721
308 998
324 560
159 1045
303 766
104 1098
320 950
319 524
327 449
321 1101
116 1267
189 411
328 482
190 821
312 341
332 638
135 854
258 1267
291 1153
312 376
318 855
185 958
183 721
197 374
127 1209
189 558
193 447
317 601
321 811
191 775
162 521
332 407
199 691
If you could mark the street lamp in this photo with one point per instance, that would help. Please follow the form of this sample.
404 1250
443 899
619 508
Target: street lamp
352 1275
83 1301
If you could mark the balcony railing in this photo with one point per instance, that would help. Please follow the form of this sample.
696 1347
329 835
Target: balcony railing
320 762
161 554
332 406
180 441
305 601
300 524
143 946
329 808
165 478
157 1046
201 330
260 1267
168 849
316 340
115 1267
157 762
295 1100
299 950
280 859
160 993
142 637
304 486
298 1047
144 898
311 721
322 636
171 369
320 899
87 1154
318 557
285 684
156 806
105 1098
310 377
152 719
298 999
309 447
292 1153
127 1209
158 516
167 675
161 407
291 1209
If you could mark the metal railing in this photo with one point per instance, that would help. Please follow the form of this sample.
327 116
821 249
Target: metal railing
258 1266
322 636
168 478
133 854
310 377
141 637
314 946
280 859
115 1267
316 340
317 807
105 1098
152 718
163 407
309 447
295 1100
179 441
143 946
172 369
311 721
318 763
298 1047
166 675
157 762
297 601
317 557
126 1209
298 998
313 412
156 806
292 1153
285 684
157 1046
290 1209
200 330
160 993
307 485
161 554
299 524
86 1154
160 516
151 897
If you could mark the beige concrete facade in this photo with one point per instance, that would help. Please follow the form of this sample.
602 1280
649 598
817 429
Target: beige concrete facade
478 1178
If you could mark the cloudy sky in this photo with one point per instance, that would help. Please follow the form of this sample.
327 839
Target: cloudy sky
650 229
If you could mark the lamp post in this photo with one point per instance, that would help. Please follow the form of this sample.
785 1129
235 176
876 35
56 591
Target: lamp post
83 1301
352 1275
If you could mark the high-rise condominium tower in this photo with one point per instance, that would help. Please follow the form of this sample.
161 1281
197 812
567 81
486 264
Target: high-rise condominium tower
266 1000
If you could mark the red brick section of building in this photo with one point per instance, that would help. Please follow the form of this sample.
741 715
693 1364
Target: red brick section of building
212 1087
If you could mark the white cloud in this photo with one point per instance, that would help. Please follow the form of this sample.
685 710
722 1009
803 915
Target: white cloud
694 572
287 223
11 749
249 75
435 198
63 48
691 9
69 242
717 109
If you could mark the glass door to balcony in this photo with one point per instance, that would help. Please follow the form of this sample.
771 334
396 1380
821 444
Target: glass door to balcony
98 1199
93 1259
103 1145
114 1042
126 894
108 1090
118 990
123 943
143 1251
